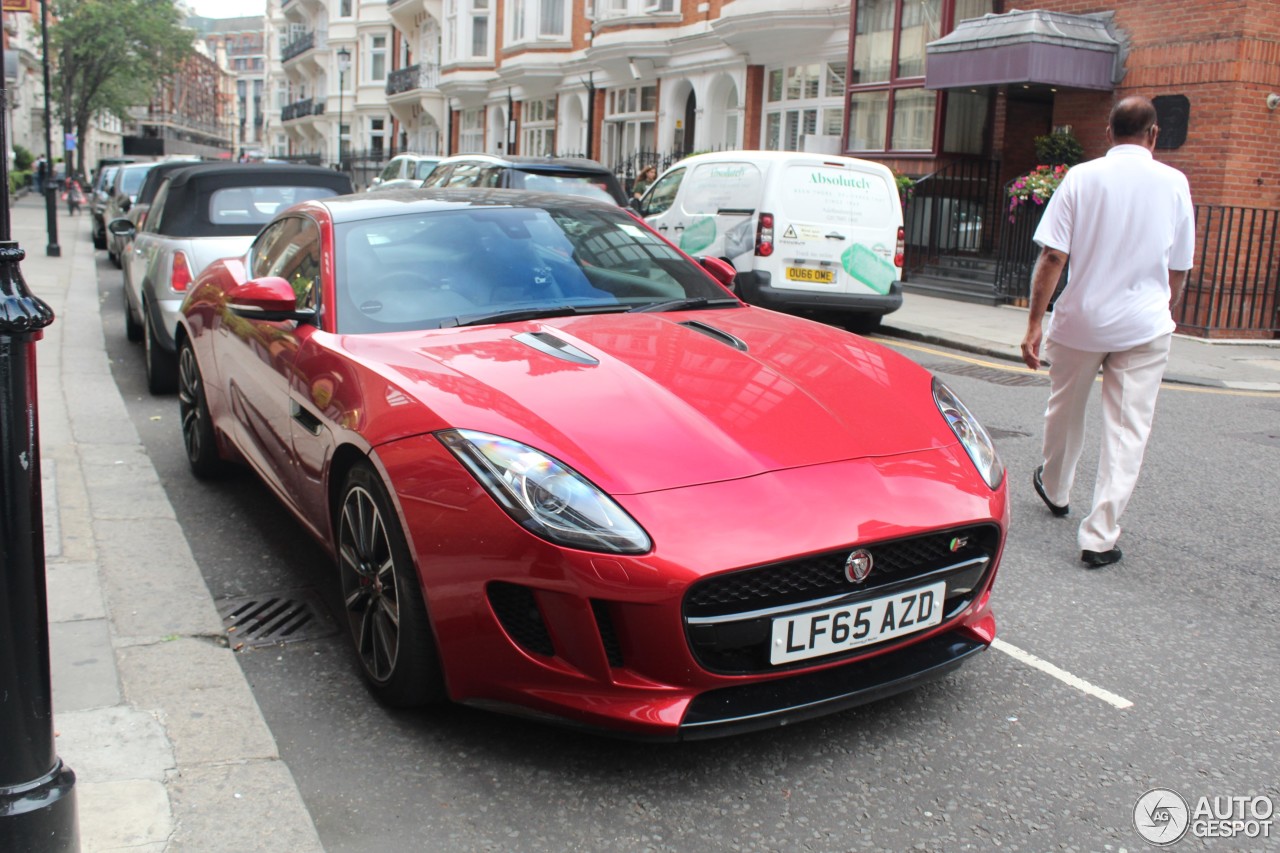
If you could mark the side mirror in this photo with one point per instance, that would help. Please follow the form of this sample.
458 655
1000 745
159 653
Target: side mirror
125 205
121 227
721 271
269 298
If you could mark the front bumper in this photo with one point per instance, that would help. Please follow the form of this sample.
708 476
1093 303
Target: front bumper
608 642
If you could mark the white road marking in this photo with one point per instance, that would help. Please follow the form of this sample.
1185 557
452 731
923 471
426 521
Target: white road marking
1062 675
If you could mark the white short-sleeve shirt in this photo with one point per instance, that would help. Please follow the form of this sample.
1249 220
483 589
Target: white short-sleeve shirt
1125 220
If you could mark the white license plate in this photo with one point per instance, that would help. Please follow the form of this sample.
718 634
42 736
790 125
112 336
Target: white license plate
838 629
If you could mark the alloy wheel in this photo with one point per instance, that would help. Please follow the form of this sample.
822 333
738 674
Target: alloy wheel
370 589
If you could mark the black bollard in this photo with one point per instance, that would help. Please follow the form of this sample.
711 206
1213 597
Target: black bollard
37 791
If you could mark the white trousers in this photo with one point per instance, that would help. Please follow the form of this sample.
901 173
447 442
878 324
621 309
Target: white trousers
1130 384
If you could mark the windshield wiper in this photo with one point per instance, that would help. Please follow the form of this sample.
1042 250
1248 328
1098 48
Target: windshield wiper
515 315
691 303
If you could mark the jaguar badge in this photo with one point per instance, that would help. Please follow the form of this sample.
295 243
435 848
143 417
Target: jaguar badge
858 566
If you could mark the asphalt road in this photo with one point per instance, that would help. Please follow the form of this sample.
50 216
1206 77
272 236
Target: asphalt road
1159 672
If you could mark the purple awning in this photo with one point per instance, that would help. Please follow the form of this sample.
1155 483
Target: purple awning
1034 48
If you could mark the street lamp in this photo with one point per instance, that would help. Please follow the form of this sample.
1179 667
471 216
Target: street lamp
52 249
344 62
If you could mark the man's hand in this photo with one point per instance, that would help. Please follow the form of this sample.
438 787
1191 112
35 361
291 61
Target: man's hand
1031 346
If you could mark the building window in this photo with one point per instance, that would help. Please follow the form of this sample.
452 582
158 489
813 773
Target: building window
377 137
532 20
538 127
471 131
803 100
377 58
344 9
467 30
888 107
605 9
630 122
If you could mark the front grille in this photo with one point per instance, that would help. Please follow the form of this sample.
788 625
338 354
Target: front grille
741 646
517 610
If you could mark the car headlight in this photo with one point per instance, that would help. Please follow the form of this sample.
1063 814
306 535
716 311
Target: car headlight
548 498
977 443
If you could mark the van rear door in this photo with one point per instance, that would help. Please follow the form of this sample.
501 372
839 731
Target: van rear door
835 229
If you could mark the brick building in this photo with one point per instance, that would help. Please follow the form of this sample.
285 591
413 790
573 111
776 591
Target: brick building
989 86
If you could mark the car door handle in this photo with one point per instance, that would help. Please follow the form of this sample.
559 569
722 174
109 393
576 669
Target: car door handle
834 236
677 228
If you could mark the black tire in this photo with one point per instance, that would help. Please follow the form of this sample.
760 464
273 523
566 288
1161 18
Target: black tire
99 236
382 600
133 330
162 366
197 425
113 257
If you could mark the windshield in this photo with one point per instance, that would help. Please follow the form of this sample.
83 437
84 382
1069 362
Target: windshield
588 186
131 180
457 267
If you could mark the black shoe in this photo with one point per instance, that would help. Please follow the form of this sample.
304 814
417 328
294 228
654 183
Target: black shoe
1098 559
1053 507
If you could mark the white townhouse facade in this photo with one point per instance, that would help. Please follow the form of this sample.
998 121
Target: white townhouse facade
601 78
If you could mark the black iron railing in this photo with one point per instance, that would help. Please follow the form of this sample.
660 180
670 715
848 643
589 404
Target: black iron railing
298 46
953 211
1234 289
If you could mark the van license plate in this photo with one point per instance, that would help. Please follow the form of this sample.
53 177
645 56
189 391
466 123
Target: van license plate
807 274
839 629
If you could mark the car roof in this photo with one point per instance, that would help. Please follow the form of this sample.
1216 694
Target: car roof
575 164
159 172
196 184
362 206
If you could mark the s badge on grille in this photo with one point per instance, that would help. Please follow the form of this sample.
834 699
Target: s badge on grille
858 566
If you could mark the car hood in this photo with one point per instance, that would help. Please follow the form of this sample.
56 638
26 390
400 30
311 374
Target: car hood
644 402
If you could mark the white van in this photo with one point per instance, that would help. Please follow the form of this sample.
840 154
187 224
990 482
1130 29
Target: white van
806 232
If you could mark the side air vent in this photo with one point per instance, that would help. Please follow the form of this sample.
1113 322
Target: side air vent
517 610
712 332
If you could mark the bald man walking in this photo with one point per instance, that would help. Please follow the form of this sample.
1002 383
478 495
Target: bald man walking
1127 225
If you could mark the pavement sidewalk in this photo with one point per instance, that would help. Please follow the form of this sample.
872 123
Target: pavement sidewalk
151 709
153 712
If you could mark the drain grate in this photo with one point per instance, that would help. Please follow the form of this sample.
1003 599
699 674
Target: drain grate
995 375
274 618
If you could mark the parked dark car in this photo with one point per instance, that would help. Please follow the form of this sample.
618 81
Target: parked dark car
200 214
98 203
562 175
124 189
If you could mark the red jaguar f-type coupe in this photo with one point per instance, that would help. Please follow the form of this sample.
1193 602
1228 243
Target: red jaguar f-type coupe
564 472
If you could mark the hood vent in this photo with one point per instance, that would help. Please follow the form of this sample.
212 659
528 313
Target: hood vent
719 335
549 344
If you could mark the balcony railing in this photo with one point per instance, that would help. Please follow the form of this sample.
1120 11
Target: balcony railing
298 46
297 109
421 76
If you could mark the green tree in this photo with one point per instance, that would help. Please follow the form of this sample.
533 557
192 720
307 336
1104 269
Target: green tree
110 55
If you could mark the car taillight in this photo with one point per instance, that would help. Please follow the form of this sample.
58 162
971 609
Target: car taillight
900 250
180 278
764 235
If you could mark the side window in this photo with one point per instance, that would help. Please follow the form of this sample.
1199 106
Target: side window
424 168
290 249
662 194
392 170
464 175
439 177
155 215
491 177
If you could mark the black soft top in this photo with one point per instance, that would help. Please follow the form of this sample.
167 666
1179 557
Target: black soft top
186 210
